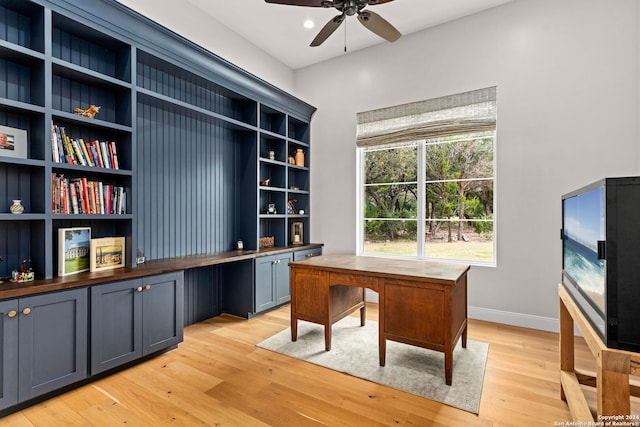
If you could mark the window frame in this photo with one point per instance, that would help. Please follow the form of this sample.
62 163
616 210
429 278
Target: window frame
421 208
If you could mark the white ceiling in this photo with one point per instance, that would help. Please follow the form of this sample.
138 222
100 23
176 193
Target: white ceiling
279 31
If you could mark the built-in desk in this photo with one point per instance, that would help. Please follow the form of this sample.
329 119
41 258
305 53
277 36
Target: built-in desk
420 303
150 268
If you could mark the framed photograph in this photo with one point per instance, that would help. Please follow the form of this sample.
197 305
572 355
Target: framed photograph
73 250
107 253
13 142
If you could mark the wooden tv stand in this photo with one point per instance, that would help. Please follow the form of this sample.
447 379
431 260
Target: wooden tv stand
612 374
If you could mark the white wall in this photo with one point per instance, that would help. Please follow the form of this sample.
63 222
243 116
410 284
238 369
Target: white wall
567 79
190 22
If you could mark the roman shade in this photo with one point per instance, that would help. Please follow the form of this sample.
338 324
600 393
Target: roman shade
466 112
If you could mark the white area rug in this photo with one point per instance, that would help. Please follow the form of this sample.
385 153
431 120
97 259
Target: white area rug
354 350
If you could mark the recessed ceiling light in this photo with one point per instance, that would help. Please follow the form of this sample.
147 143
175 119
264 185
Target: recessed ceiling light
309 24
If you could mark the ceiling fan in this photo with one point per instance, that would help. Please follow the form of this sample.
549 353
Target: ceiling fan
372 21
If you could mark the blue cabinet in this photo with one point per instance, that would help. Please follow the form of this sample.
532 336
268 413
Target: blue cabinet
272 281
44 344
162 311
9 354
133 318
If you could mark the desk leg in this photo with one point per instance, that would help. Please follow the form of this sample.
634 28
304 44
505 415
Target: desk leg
464 335
293 308
327 337
294 328
448 365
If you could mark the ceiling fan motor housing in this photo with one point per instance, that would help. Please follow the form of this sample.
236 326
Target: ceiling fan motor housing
349 7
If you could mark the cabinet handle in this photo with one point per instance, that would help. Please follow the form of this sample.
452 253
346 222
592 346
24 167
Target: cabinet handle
148 287
26 311
139 289
12 314
309 255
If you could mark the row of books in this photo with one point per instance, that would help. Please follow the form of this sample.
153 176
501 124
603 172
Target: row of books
100 154
81 196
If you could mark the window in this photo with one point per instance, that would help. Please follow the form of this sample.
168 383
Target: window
426 176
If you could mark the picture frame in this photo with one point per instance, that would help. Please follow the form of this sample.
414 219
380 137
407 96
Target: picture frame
13 142
107 253
297 233
74 250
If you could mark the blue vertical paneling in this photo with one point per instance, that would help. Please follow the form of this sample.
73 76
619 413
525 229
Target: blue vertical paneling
187 182
201 294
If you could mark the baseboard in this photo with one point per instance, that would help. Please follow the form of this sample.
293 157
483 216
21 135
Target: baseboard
515 319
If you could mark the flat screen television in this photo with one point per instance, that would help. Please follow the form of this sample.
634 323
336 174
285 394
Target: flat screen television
601 257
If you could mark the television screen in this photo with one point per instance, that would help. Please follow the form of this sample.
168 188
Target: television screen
583 227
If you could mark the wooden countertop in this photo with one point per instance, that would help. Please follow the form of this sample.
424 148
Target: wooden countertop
149 268
439 272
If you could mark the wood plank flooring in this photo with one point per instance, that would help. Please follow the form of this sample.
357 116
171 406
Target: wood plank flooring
217 377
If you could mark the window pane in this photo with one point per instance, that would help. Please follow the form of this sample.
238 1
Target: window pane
391 237
442 240
471 199
391 201
459 157
391 165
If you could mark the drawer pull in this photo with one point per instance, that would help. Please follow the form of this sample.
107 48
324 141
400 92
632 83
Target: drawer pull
12 314
139 289
26 311
148 287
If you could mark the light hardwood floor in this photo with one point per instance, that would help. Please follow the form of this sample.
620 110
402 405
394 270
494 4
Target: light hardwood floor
217 377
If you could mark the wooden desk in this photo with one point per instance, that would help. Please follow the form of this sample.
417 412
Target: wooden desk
613 390
420 303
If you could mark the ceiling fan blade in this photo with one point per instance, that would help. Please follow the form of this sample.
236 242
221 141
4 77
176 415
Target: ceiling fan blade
375 2
327 30
308 3
378 25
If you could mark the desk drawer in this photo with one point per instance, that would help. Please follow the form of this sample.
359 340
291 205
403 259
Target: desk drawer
347 279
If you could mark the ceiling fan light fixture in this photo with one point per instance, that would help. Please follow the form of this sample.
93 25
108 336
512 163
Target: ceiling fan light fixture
309 24
372 21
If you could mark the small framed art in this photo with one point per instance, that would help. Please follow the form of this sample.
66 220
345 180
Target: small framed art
73 250
13 142
107 253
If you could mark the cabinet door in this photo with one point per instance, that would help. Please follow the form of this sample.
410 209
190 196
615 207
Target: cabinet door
9 353
163 311
265 292
52 341
116 324
281 278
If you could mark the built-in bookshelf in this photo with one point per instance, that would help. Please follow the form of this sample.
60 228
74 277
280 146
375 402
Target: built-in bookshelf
43 84
194 136
284 176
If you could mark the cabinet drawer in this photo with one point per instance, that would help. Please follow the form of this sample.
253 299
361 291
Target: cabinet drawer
307 253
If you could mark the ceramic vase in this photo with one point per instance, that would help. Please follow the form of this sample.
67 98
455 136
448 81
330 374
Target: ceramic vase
16 207
299 157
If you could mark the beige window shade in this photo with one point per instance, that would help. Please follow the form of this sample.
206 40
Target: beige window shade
467 112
